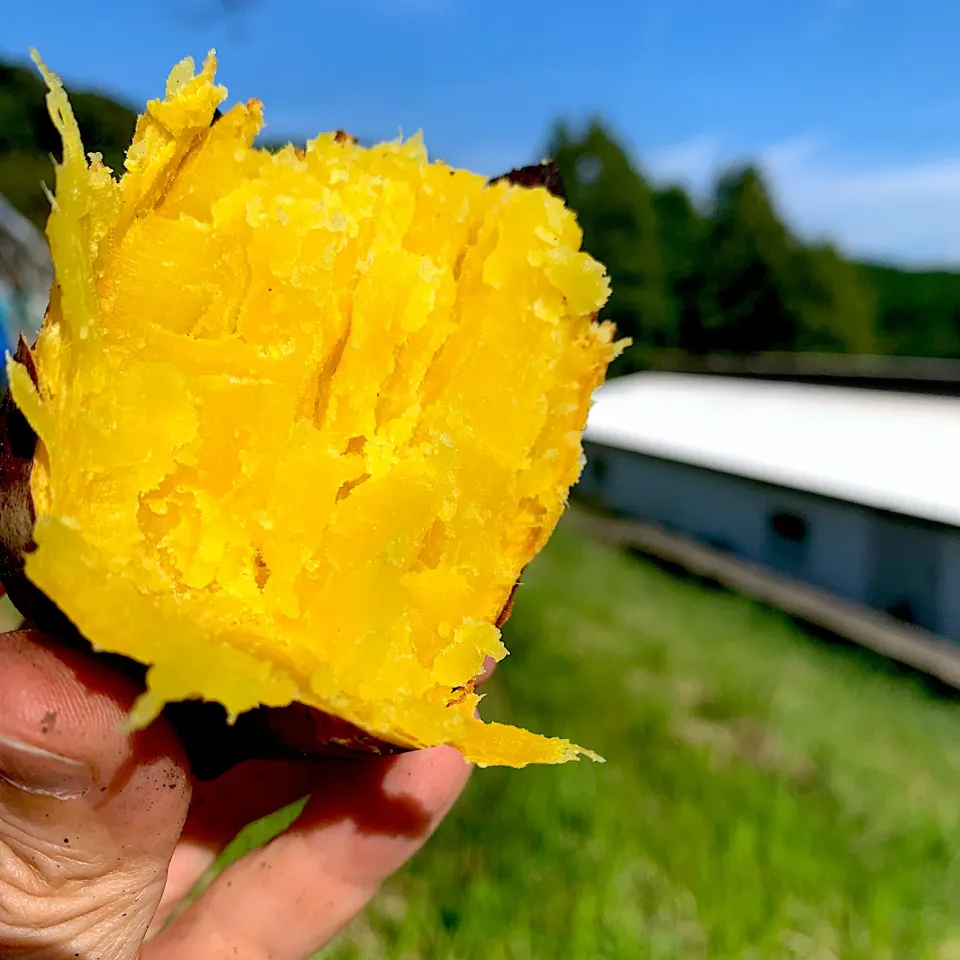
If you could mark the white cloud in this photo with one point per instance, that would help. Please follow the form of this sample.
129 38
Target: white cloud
693 163
907 211
790 154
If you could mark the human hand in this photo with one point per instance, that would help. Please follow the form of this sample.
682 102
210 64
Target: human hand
102 834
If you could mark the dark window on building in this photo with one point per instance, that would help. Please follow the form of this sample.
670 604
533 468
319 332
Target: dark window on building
788 539
598 467
789 526
907 577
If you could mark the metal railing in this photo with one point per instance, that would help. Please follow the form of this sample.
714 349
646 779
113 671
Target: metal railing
866 371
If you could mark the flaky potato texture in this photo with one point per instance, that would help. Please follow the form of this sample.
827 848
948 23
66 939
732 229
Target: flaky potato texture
304 416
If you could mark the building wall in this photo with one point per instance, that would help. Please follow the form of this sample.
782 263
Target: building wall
910 569
949 584
907 569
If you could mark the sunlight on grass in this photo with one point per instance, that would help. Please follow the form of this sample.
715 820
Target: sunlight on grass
766 795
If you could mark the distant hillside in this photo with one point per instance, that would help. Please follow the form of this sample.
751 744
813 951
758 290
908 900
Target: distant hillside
28 137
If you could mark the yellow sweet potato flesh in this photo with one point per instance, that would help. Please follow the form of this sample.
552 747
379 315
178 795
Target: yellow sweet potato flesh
304 417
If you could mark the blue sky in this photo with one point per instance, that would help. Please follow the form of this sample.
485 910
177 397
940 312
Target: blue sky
851 106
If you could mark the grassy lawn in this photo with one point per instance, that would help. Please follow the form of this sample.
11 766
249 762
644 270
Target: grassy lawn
766 795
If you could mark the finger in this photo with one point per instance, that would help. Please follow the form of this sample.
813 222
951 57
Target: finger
489 665
285 901
221 808
89 815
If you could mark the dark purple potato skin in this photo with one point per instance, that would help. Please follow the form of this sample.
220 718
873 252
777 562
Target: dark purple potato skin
18 443
546 175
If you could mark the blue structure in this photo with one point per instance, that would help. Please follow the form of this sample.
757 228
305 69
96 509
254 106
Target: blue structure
853 491
9 321
26 274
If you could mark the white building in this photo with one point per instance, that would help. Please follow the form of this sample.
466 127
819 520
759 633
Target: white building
855 491
26 274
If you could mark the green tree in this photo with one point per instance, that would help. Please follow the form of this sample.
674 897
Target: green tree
749 297
615 207
683 233
28 137
918 312
838 307
17 95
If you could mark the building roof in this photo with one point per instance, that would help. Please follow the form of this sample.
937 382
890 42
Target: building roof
892 451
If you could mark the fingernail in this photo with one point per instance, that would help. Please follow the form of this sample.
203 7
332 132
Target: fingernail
38 771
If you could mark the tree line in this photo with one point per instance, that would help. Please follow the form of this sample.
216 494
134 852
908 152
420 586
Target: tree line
729 276
28 138
726 276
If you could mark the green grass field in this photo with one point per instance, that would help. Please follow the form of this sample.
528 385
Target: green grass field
766 794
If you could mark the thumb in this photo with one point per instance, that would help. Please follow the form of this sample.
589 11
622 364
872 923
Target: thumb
89 815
